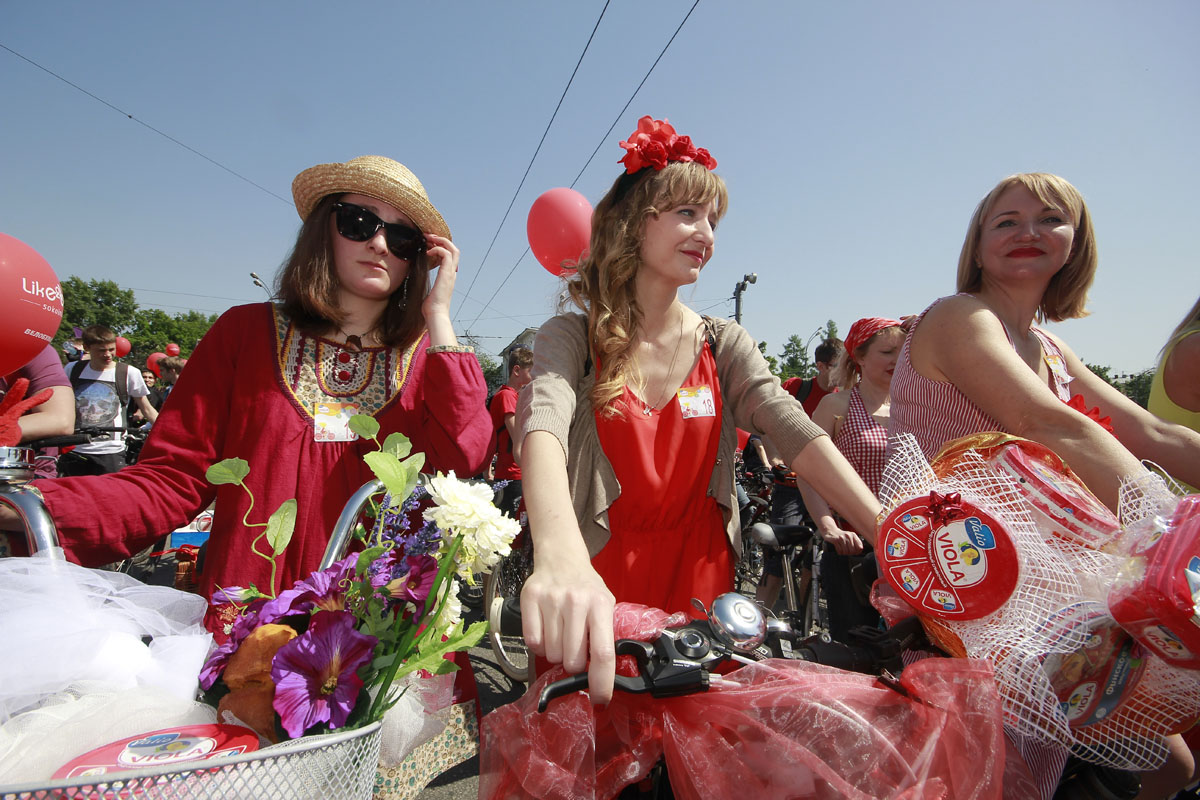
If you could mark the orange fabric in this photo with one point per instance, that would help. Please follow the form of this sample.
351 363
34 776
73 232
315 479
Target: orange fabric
668 540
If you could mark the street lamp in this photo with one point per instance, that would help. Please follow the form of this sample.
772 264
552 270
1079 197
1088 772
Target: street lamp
737 294
259 283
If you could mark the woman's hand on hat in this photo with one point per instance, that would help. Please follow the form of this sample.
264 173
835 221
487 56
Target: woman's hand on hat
442 255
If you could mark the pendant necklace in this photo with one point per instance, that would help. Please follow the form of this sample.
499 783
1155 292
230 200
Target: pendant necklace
354 341
646 409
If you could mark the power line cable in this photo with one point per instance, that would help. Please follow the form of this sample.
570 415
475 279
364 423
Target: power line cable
629 102
608 133
546 132
146 125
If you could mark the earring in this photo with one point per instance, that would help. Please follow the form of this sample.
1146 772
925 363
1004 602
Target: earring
404 292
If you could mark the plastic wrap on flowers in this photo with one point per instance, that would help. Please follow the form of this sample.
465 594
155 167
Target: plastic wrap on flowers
772 729
1065 671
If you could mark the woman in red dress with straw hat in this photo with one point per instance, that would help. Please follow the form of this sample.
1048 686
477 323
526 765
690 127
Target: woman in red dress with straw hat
355 323
630 421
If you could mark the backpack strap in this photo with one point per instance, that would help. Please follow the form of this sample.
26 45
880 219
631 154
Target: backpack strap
122 382
805 389
76 371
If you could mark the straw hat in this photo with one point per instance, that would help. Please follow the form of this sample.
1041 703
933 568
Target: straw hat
373 176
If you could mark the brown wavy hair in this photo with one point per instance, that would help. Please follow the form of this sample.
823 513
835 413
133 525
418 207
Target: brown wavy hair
1066 295
603 286
307 285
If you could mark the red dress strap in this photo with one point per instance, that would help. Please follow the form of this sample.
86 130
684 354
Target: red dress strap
668 540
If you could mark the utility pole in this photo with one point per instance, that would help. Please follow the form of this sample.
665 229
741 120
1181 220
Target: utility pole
737 294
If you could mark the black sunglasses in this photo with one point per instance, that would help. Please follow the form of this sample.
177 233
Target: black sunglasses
359 224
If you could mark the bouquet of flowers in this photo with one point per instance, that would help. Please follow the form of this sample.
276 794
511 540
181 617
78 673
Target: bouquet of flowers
335 650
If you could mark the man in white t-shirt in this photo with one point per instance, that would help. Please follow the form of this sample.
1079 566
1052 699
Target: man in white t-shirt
100 403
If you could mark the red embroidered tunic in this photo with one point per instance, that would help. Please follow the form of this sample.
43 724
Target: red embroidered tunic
668 541
249 391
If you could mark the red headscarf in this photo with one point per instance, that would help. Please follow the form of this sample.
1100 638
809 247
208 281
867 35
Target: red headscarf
863 330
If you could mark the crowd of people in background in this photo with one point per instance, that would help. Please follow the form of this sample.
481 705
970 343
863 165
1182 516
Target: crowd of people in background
618 427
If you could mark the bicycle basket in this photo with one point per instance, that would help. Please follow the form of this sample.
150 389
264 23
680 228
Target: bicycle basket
335 766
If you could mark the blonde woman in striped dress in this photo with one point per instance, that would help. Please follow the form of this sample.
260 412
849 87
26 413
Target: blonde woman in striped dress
976 362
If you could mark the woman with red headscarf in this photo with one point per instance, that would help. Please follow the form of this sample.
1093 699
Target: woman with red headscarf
857 420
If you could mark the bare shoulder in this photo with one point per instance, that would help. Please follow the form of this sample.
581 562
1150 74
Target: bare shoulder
1185 355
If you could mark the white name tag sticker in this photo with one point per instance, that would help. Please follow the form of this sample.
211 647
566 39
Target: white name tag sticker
697 401
331 422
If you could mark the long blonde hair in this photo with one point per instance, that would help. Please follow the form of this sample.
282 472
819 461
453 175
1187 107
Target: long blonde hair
603 287
1182 329
1066 295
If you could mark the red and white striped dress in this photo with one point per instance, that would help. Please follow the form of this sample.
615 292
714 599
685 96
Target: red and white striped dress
934 412
863 441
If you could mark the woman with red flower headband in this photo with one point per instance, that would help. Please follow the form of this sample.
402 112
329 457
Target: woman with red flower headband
857 420
629 424
975 362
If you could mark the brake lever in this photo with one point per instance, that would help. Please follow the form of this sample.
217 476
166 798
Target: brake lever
678 662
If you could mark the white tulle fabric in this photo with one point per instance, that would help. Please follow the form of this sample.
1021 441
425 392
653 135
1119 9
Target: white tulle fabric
89 657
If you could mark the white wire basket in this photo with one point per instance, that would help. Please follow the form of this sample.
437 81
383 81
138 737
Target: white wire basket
335 766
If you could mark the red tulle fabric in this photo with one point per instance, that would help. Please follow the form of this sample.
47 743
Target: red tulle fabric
773 729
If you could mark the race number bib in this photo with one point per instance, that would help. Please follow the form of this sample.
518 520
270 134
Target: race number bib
697 401
331 422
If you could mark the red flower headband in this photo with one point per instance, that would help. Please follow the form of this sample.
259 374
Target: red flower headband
655 144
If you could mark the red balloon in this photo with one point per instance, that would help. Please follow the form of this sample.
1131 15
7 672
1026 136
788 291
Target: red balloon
123 347
743 437
152 363
559 228
31 304
172 349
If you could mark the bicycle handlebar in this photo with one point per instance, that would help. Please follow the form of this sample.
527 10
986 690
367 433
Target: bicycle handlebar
680 660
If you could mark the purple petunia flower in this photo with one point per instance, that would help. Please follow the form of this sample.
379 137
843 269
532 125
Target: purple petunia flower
316 674
327 588
415 583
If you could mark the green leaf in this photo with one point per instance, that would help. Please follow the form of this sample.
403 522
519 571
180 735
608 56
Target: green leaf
398 476
281 525
366 557
431 658
231 470
397 444
365 426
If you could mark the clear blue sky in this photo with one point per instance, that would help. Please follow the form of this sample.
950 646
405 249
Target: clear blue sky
856 139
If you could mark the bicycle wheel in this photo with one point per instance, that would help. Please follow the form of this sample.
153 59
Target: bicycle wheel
749 569
505 581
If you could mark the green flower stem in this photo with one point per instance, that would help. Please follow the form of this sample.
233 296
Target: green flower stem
377 708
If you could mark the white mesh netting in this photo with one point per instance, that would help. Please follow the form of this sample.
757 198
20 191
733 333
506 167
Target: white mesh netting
1055 627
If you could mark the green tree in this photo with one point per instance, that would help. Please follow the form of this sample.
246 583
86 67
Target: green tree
794 360
772 362
95 303
1135 386
148 330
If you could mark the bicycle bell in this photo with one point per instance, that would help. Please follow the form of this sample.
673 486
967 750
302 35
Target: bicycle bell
737 621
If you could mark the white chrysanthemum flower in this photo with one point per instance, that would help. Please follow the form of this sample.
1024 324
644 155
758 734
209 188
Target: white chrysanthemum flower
466 510
451 611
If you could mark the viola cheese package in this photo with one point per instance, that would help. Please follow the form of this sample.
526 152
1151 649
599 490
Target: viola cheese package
1158 601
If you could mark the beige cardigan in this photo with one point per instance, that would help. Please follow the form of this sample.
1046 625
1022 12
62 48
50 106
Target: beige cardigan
557 401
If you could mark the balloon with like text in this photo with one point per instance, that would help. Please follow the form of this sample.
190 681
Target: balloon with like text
31 303
123 347
559 229
172 349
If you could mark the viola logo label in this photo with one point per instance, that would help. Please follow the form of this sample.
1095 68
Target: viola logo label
165 748
961 550
897 547
910 580
943 599
52 294
914 522
1075 706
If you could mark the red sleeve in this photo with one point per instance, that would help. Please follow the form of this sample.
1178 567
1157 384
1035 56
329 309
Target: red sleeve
503 404
453 396
792 384
102 519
